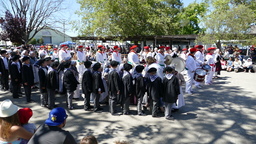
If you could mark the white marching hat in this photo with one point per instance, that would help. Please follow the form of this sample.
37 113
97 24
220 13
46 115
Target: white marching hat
7 108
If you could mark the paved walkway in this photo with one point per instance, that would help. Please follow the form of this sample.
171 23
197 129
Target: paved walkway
223 113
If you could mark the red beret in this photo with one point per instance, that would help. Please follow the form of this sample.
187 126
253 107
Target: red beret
100 46
116 47
24 115
55 49
167 48
80 46
185 49
199 46
88 48
146 47
41 46
103 47
133 47
211 48
193 50
161 47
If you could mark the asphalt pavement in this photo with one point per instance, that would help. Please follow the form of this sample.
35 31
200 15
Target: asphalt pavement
222 113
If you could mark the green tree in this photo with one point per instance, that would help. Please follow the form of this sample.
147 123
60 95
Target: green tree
33 41
227 22
40 41
128 17
189 18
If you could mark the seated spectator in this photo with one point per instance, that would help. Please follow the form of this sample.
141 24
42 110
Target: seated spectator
229 64
89 140
24 115
247 66
51 132
237 65
223 64
10 130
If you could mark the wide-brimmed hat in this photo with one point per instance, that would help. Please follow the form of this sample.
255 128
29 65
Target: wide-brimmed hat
7 108
56 117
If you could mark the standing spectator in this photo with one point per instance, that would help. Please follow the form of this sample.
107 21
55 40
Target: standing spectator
51 131
27 77
217 63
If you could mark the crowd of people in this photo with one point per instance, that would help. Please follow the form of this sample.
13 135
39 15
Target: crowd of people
142 77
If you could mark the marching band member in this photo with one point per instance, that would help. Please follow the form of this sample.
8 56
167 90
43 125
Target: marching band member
199 57
210 60
191 67
42 51
63 54
167 51
101 56
88 53
146 53
174 52
133 58
55 54
116 56
81 58
160 57
183 54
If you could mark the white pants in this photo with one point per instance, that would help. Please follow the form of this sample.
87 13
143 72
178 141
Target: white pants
189 82
208 77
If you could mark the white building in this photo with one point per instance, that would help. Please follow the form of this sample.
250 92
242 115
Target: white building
51 36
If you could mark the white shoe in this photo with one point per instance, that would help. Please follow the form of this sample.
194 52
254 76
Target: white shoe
190 93
198 86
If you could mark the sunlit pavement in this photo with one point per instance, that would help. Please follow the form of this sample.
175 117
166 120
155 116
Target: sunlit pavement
222 113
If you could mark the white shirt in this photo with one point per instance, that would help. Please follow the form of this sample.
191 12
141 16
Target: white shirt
144 55
191 64
247 63
133 58
160 59
42 52
55 55
81 56
199 58
183 56
63 54
210 59
101 57
116 56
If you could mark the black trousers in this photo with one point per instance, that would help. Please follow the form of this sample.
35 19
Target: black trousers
27 89
154 106
5 80
15 90
112 102
87 100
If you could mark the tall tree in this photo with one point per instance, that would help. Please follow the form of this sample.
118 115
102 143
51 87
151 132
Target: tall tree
128 17
38 14
189 18
227 22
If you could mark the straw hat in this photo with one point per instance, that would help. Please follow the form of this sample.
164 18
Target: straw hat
7 108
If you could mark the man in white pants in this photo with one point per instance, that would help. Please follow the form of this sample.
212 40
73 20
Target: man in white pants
191 67
199 56
210 60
